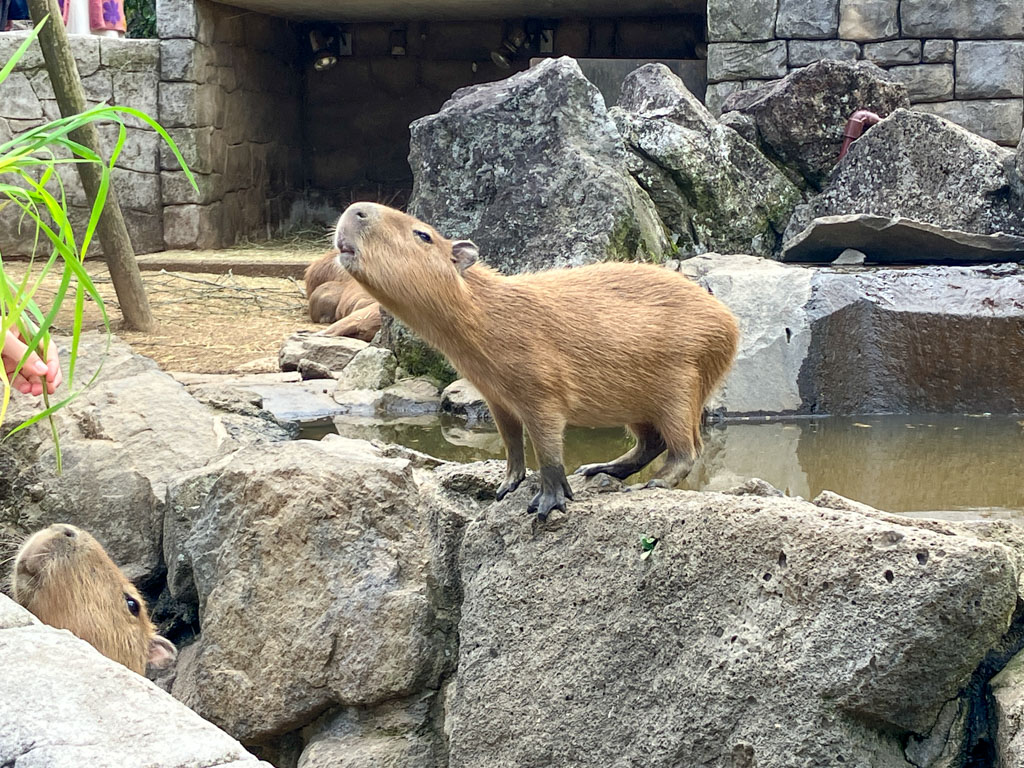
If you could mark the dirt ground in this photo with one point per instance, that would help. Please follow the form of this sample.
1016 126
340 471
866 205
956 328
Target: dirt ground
206 323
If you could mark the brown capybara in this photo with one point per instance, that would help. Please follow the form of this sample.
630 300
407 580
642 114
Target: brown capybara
602 345
335 298
64 576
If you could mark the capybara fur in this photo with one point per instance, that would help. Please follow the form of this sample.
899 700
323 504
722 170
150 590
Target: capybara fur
602 345
335 298
65 577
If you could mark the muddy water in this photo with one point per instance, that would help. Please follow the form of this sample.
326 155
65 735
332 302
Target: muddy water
969 466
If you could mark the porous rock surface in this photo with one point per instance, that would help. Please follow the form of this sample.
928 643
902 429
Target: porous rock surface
713 189
63 705
532 169
800 119
760 631
922 167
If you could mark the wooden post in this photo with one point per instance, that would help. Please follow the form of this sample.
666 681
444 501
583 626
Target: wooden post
111 230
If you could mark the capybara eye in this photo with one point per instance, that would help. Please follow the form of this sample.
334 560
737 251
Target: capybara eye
133 605
424 236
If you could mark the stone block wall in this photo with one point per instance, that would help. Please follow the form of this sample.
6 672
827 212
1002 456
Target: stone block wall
230 93
115 71
961 59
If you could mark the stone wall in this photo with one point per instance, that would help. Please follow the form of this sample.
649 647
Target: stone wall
231 86
961 59
121 72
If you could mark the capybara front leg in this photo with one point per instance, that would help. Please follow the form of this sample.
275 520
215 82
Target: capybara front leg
546 435
649 446
511 430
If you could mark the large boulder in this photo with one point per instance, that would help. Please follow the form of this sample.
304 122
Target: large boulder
800 119
309 564
63 705
922 167
757 631
829 340
713 189
532 169
122 441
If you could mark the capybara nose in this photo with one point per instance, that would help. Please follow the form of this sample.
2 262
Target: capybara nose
67 530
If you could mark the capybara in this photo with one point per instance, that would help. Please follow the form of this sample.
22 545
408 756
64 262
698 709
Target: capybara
64 576
335 298
602 345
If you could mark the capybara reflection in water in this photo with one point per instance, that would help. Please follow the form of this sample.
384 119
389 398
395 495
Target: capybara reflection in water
64 577
596 346
335 298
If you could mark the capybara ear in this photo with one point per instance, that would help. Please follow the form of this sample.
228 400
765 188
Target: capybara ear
161 652
464 254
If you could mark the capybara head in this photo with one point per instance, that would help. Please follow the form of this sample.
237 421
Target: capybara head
64 577
396 256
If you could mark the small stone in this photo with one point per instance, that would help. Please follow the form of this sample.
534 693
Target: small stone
990 69
868 20
333 352
850 257
371 368
410 397
738 61
463 399
938 51
809 19
893 52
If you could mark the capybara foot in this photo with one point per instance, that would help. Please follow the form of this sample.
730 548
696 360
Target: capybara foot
620 471
652 483
510 484
554 490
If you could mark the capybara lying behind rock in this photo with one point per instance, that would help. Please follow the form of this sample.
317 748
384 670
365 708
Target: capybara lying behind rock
601 345
335 298
64 577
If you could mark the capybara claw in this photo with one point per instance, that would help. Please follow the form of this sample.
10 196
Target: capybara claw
543 503
507 487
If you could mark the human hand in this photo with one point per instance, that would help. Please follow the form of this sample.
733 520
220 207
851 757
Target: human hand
31 376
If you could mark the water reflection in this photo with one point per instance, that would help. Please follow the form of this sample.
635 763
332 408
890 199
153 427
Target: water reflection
895 463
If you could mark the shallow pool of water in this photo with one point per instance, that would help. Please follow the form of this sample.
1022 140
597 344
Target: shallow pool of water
960 464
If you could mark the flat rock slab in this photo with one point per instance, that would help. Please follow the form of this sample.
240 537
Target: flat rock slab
63 705
898 241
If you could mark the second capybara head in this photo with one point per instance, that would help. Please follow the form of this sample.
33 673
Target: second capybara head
65 577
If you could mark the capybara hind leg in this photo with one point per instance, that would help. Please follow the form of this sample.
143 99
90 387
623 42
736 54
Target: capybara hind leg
681 430
511 430
546 435
649 446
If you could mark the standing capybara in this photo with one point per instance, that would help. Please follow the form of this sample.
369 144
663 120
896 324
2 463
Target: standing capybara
335 298
64 577
602 345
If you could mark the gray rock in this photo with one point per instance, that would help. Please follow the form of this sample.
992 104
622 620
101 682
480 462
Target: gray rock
332 352
977 20
412 353
850 257
717 93
358 402
63 705
312 591
893 52
990 69
394 735
868 20
901 168
371 368
122 441
20 101
998 120
1008 695
804 132
898 241
743 124
805 52
938 51
31 59
410 397
532 169
809 19
764 594
729 20
130 55
926 82
740 61
463 399
713 190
